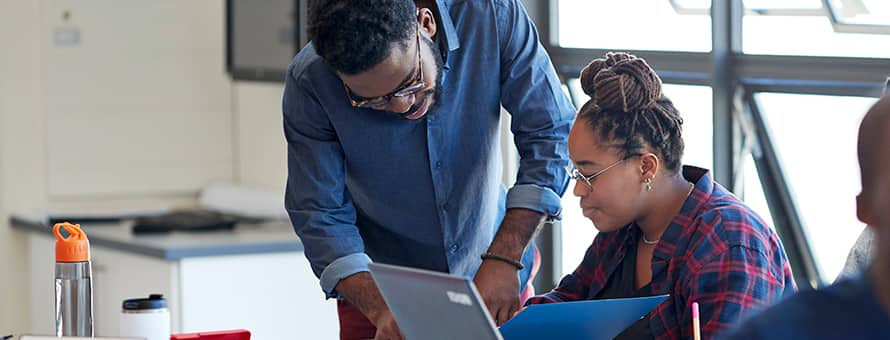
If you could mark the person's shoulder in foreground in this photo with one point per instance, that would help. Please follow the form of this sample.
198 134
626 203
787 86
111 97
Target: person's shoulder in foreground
845 310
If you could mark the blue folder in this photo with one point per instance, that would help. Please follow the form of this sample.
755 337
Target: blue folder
589 320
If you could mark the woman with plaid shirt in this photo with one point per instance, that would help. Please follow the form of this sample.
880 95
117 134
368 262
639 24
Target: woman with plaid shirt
664 228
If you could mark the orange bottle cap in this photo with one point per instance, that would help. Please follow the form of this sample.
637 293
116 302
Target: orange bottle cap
74 248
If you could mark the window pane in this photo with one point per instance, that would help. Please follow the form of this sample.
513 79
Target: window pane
752 192
694 104
635 25
577 93
806 35
782 5
577 232
815 138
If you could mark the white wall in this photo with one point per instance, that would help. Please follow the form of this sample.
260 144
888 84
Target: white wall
22 149
139 112
137 97
261 152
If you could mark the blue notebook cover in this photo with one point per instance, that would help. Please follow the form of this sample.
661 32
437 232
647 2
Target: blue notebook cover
589 320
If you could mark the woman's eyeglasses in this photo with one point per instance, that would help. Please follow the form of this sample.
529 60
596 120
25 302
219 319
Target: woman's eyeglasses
588 179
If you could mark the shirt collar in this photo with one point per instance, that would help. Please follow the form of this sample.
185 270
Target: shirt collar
676 238
451 42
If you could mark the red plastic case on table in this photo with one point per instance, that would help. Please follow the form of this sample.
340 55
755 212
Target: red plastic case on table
238 334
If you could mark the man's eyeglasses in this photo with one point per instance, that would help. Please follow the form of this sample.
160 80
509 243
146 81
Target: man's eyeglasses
588 180
412 87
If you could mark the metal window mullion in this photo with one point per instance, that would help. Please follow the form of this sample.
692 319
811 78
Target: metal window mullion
544 14
687 68
549 241
813 75
726 42
782 206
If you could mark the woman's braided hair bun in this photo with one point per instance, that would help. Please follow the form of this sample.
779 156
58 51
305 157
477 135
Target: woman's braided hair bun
622 82
627 107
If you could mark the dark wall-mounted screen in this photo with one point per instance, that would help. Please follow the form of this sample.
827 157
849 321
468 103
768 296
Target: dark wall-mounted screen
262 38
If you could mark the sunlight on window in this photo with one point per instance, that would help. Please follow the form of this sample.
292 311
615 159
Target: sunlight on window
815 139
812 35
864 12
577 231
636 25
694 104
769 27
782 4
752 193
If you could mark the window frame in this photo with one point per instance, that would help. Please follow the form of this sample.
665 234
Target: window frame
739 128
840 26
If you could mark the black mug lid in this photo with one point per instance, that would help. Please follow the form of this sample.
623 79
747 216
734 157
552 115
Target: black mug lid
154 301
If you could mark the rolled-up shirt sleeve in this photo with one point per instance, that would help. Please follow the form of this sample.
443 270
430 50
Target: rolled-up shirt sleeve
535 197
542 113
317 201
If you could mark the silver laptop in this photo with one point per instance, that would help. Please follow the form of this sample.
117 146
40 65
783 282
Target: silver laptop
432 305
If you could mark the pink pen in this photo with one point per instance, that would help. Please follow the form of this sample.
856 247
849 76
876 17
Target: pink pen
696 330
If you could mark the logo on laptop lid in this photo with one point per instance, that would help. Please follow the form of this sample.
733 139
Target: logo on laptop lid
459 298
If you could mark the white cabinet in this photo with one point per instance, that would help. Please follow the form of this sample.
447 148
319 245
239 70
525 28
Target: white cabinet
274 295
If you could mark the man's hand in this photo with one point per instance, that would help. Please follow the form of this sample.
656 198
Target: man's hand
498 284
517 312
497 281
387 328
359 289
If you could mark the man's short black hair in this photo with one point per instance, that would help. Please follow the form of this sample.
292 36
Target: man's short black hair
355 35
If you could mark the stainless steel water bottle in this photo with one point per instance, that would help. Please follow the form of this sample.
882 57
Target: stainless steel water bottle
74 289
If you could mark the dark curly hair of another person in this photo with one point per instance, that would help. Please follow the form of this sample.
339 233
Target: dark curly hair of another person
355 35
628 110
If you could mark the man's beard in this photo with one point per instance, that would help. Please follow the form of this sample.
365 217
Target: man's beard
434 93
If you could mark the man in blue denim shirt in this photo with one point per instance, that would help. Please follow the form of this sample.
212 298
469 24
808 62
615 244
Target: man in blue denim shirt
391 116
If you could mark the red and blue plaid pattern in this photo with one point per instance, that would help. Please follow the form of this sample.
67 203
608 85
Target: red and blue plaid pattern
716 252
